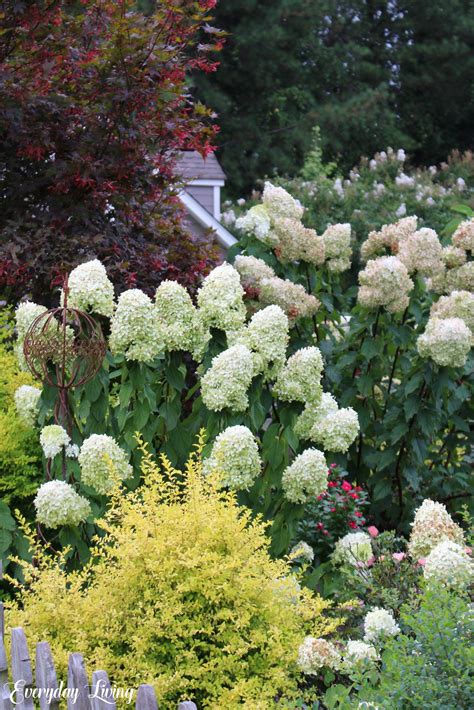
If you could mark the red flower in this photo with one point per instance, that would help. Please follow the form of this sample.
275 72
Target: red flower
352 524
346 486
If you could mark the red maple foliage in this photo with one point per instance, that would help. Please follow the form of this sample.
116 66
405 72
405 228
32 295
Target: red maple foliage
94 107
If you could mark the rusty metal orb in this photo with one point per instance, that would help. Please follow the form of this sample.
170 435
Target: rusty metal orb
64 347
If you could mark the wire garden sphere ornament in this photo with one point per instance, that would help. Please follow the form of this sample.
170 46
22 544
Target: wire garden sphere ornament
64 348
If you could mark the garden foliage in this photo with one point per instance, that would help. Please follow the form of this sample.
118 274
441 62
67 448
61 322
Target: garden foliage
94 107
197 606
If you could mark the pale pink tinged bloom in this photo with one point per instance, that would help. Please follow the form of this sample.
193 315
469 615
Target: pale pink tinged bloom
372 530
422 561
360 564
398 556
370 561
468 550
381 558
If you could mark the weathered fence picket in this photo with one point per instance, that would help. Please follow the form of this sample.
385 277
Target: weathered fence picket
44 691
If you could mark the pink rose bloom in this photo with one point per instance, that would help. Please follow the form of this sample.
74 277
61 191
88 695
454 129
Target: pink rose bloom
468 550
422 561
370 561
372 530
398 556
381 558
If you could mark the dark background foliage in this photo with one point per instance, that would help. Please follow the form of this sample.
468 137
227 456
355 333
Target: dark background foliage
370 73
94 106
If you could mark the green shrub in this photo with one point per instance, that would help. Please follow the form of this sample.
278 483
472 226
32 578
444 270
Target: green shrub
431 664
183 594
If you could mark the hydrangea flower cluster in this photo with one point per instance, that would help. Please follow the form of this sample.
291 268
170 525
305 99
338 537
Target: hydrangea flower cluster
53 439
263 288
295 241
449 564
226 382
235 457
266 336
102 460
431 525
292 298
447 341
300 379
388 239
220 299
314 413
422 252
25 314
453 256
90 289
57 504
337 430
177 317
337 247
354 548
257 221
463 237
385 282
134 328
27 403
460 278
277 223
302 551
306 477
252 270
279 202
379 624
357 654
314 654
459 304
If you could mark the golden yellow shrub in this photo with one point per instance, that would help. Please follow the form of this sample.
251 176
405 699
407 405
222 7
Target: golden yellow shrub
182 594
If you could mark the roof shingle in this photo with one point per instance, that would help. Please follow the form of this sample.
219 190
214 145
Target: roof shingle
192 166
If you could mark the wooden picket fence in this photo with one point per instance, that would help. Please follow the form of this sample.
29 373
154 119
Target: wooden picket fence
45 692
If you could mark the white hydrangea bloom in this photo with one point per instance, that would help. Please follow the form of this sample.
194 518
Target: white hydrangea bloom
57 504
422 252
447 341
379 624
306 477
53 439
177 317
257 222
27 400
90 289
292 298
302 551
25 314
337 244
315 654
449 564
461 278
313 414
297 242
267 336
252 270
358 653
220 299
388 238
354 548
300 379
337 430
134 329
453 256
459 304
463 237
72 451
235 457
431 525
226 382
385 282
401 155
279 203
102 460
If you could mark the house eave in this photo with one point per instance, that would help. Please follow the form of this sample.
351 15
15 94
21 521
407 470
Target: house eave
207 220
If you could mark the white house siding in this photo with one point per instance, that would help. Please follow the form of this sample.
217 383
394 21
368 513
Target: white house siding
203 194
